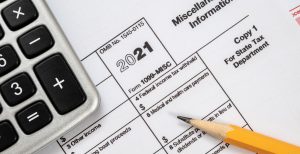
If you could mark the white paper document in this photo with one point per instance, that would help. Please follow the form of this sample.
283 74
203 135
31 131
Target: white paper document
231 61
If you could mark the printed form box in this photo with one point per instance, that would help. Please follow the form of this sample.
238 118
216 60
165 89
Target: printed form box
136 57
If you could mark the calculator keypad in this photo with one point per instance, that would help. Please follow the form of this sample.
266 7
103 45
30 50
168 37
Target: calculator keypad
36 41
19 14
34 117
9 59
60 84
18 89
30 62
8 135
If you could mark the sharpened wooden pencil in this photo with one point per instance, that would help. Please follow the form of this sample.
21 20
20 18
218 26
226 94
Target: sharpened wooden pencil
243 138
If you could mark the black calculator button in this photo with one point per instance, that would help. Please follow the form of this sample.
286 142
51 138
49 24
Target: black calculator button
34 117
36 42
8 135
1 32
17 89
8 59
19 14
60 84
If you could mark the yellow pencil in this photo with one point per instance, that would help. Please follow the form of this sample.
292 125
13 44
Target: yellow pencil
243 138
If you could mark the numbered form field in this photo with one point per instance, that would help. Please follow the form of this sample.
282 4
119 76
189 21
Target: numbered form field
136 57
168 83
201 95
132 138
194 139
98 132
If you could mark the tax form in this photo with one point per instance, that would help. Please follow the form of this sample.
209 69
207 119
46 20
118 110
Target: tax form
232 61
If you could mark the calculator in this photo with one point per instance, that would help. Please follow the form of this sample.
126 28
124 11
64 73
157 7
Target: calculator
44 89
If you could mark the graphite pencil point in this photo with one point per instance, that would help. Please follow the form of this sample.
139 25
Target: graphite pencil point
185 119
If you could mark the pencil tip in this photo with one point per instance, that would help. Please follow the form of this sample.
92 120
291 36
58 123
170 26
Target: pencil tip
185 119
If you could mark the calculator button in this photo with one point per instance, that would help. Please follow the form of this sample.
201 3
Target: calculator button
8 59
60 84
34 117
8 135
1 33
17 89
19 14
0 109
36 41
